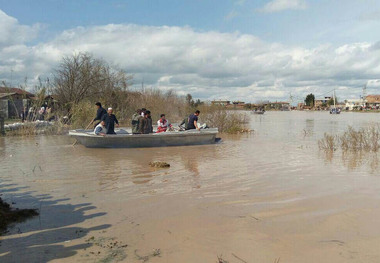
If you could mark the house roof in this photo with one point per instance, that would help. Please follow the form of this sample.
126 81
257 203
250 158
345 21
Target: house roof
280 102
4 95
373 98
18 91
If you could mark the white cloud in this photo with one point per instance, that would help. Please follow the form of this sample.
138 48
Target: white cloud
280 5
210 65
12 32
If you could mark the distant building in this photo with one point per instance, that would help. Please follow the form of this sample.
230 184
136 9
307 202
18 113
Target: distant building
353 104
221 102
237 105
13 100
300 106
372 101
319 103
279 105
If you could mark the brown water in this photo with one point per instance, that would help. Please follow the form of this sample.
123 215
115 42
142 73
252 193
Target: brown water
255 198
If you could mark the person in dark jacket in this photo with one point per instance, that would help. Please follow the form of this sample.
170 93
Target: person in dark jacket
100 112
193 121
110 120
135 121
145 126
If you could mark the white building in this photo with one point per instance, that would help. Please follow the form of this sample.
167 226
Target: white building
354 103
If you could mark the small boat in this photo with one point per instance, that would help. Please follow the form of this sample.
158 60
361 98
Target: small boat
123 139
334 110
260 111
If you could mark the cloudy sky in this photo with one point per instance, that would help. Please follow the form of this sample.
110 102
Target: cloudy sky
214 49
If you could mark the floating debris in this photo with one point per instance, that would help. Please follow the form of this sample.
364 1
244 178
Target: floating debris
159 164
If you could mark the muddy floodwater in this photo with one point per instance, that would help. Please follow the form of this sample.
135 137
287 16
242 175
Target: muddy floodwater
260 197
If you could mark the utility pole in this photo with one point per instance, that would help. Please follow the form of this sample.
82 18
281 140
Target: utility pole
11 77
364 95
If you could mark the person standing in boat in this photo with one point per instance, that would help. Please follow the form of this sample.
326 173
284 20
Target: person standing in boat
163 124
135 121
100 112
110 120
100 129
145 126
193 121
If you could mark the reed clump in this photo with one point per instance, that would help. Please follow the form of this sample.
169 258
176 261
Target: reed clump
159 164
231 122
37 128
328 142
362 139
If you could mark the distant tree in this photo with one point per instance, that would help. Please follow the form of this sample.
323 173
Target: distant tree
197 103
189 100
310 100
81 76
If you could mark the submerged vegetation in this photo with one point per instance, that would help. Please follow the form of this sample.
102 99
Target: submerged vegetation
159 164
225 121
362 139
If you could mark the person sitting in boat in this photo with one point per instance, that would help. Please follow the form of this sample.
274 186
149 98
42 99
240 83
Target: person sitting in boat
110 120
100 129
135 121
100 112
183 125
163 124
193 121
145 126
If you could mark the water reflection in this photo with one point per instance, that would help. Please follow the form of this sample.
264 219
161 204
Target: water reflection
309 127
357 159
353 160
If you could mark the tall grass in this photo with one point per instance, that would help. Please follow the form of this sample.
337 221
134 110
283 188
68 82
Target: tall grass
82 114
362 139
328 142
226 121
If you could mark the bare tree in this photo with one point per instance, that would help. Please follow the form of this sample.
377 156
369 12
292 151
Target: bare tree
81 76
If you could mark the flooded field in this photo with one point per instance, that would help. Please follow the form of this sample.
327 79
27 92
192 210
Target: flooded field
260 197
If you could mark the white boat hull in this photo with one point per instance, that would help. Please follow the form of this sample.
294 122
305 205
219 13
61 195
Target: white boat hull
183 138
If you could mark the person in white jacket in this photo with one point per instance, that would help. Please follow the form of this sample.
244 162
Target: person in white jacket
163 124
100 129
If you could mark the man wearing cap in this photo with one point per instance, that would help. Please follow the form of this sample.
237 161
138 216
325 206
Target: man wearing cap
110 120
